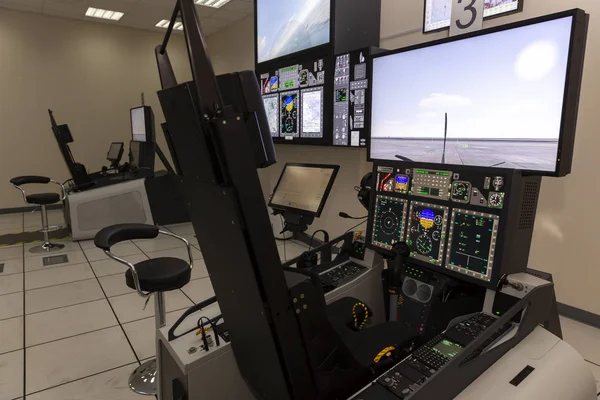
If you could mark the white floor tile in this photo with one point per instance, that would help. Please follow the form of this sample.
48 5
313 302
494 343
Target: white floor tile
68 321
11 231
11 305
57 276
112 267
181 229
11 375
37 262
11 284
62 295
199 271
12 267
199 290
176 253
114 285
65 360
142 334
11 252
289 250
161 243
110 385
120 250
129 307
192 239
87 244
584 338
11 334
70 246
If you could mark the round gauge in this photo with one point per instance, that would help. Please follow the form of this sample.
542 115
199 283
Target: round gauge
388 186
414 229
295 114
496 199
436 236
416 216
424 244
289 124
438 219
460 189
389 223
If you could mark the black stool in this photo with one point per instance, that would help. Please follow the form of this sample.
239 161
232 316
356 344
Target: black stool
42 200
148 277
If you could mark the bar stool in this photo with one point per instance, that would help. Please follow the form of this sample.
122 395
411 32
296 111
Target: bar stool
42 200
155 276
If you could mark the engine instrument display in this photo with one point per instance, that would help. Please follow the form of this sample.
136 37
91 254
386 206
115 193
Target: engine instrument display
388 224
426 232
472 243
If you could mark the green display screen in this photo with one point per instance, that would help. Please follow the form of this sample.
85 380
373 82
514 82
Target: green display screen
447 348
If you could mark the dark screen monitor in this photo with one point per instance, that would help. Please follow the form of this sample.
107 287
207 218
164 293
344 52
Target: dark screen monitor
115 152
285 27
134 153
304 188
438 12
503 97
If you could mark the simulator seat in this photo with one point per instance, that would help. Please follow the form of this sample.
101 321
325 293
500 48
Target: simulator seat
338 352
42 200
154 276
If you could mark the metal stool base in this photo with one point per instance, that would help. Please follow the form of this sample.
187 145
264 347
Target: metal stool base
47 247
144 380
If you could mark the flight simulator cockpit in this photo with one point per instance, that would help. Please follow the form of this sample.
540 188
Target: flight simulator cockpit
441 303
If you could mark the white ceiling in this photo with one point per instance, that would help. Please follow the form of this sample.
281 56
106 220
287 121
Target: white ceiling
141 14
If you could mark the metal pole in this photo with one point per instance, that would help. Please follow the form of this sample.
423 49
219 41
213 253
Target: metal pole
45 224
160 312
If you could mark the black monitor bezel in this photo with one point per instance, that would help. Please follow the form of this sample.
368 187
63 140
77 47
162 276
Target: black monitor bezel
316 214
306 52
121 149
504 14
573 85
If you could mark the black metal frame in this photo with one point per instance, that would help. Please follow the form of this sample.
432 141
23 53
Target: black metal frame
504 14
317 213
572 84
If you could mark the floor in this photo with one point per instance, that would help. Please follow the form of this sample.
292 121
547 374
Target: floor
74 331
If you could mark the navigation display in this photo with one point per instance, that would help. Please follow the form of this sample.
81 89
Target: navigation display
388 224
438 12
272 108
496 100
471 243
426 231
288 26
312 112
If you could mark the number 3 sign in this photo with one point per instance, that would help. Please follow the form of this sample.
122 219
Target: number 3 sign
467 16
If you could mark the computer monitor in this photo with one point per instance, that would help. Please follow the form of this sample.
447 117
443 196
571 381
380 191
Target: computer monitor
138 124
286 27
438 12
115 152
504 97
304 188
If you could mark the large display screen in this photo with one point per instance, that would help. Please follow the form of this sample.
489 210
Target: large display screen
493 100
472 243
304 187
438 12
288 26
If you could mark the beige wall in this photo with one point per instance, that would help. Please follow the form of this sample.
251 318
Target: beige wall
89 74
566 233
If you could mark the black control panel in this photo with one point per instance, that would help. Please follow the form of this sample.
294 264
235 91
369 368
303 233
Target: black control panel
340 275
474 222
407 377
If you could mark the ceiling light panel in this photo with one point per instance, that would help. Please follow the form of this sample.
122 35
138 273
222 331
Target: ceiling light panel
104 14
212 3
164 23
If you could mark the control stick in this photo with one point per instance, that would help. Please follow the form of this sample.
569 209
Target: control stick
395 268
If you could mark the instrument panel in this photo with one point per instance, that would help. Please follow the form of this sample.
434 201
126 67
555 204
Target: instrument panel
449 219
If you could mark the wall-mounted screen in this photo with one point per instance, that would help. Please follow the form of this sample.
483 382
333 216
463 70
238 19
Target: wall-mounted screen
286 27
438 12
492 99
